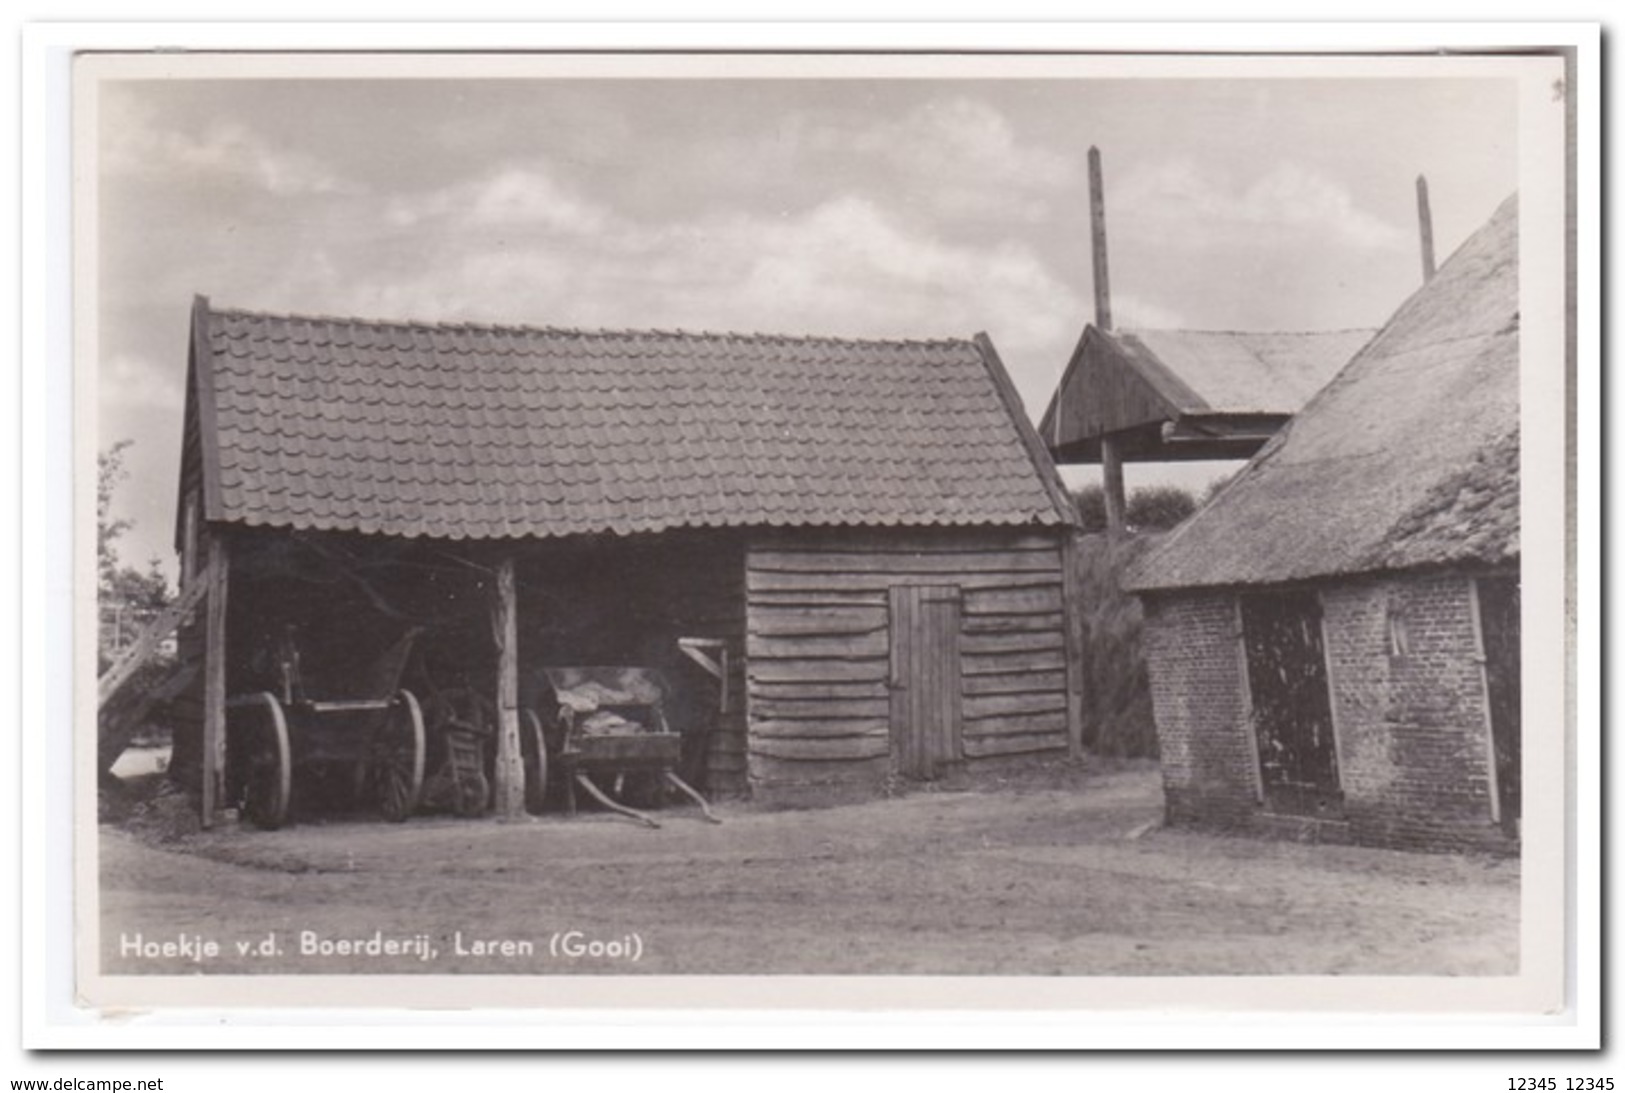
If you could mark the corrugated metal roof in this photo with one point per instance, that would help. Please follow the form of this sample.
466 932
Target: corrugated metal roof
1126 379
1408 458
1251 372
481 432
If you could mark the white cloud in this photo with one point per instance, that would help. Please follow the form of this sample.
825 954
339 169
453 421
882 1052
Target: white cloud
225 151
520 242
137 382
960 135
960 156
1187 208
845 267
513 196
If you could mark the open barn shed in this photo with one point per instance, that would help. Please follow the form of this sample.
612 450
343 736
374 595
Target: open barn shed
1165 396
1333 640
1170 395
845 560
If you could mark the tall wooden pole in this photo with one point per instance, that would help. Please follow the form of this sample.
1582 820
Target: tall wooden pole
1111 467
1097 225
510 768
1424 220
1111 462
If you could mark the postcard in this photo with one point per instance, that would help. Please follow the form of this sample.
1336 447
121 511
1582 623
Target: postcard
830 531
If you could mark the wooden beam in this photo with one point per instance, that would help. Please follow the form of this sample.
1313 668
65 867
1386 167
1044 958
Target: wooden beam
510 769
214 679
207 424
1249 721
1244 427
1111 464
120 720
1043 465
1179 449
700 651
120 672
1475 611
1097 223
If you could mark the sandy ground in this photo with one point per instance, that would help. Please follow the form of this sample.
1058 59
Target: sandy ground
1065 872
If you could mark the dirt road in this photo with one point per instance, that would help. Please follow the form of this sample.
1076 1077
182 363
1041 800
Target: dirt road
1068 876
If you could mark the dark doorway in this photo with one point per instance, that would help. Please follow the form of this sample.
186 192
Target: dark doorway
1498 620
1292 710
925 691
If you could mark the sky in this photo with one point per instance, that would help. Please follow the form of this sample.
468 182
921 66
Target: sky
855 207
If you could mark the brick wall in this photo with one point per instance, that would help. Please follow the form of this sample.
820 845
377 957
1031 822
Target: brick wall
1411 717
1198 699
1411 728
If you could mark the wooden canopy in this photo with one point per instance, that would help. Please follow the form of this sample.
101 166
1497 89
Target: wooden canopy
1172 395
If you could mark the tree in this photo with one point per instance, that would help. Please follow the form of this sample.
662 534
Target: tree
1159 507
1149 508
1091 503
126 597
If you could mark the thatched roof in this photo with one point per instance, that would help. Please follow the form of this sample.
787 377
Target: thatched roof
1409 458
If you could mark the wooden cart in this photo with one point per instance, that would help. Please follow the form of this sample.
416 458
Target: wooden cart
373 744
610 722
462 730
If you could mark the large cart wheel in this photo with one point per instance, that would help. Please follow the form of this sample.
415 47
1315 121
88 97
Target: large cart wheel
260 759
533 747
397 758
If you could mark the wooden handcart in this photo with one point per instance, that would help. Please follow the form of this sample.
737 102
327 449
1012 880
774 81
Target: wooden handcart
373 743
610 723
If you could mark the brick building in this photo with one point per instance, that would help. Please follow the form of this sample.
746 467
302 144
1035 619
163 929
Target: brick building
1333 640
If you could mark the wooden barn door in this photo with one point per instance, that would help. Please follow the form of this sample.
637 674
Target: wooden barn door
1291 698
1501 630
924 680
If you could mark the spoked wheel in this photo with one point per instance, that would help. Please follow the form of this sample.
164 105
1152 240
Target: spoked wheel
259 759
533 747
397 759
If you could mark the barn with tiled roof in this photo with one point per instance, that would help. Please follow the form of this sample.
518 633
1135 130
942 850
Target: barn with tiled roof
843 558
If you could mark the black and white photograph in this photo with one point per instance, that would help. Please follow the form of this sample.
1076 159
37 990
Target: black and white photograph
582 529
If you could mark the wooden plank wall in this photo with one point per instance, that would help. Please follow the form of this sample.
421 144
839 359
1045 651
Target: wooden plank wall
818 645
1101 394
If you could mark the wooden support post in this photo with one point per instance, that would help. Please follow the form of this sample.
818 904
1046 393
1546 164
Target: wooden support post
1475 611
214 681
510 768
1072 621
1250 720
1424 220
1111 466
1097 223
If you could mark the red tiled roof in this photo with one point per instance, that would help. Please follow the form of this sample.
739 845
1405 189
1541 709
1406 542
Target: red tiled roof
482 432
